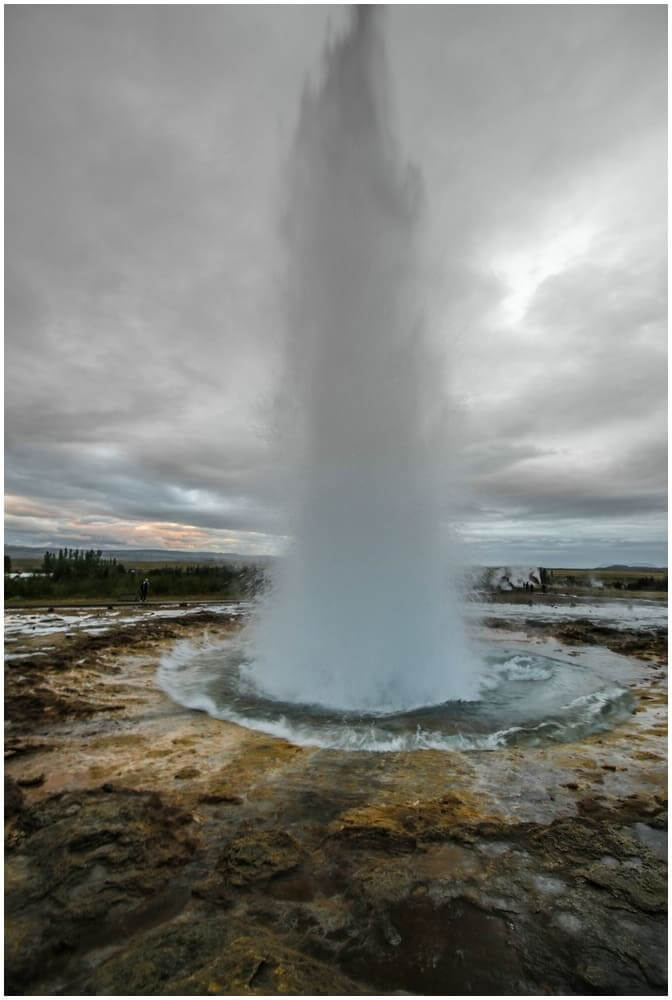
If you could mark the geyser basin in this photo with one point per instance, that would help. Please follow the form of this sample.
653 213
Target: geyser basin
524 699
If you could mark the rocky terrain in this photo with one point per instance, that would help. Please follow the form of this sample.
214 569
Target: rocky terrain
155 850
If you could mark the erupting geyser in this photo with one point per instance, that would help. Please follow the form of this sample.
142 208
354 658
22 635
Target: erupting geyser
361 615
360 643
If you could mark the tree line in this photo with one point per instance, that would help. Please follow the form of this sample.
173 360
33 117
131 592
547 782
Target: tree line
90 573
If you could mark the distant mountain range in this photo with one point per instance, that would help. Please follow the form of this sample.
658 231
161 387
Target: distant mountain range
642 566
145 555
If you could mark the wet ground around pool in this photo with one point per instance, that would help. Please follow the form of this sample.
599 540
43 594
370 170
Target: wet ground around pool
152 849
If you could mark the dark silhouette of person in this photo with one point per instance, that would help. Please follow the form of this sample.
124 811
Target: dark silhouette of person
144 589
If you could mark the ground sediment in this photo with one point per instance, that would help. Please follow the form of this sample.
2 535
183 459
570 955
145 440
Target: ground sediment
155 850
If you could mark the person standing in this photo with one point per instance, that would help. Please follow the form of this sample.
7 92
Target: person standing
144 590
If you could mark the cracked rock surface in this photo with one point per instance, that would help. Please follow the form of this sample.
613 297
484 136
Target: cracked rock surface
154 850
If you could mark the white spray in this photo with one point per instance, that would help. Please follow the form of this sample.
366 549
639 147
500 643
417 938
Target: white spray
361 615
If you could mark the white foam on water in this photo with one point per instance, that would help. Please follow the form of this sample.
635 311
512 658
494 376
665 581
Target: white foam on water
191 674
517 668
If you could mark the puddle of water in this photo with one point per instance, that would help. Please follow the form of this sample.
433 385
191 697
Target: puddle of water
655 840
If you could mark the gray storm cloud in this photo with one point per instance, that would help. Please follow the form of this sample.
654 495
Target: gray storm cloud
146 151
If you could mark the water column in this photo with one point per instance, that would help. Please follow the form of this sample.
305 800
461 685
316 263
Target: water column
363 613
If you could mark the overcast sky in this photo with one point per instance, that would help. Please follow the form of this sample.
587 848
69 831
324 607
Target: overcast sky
145 154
